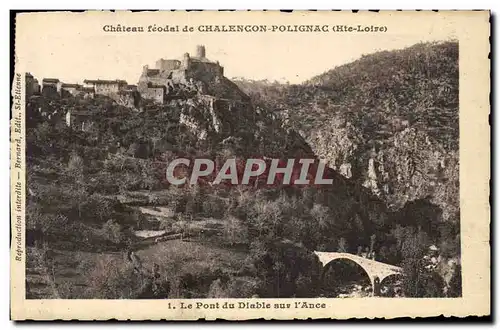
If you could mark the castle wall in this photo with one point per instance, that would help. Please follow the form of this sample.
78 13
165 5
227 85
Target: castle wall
179 76
168 65
156 94
156 80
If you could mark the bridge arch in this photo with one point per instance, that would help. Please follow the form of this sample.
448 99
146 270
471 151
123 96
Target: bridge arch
389 278
347 261
376 271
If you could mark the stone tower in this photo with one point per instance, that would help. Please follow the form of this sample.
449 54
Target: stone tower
200 51
185 61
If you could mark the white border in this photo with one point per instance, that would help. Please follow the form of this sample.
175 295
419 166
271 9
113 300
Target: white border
256 4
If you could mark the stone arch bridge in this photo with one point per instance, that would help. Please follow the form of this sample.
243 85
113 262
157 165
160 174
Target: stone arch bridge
376 271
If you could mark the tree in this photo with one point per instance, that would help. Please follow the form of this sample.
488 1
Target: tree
343 247
422 214
321 215
113 279
455 285
418 280
75 166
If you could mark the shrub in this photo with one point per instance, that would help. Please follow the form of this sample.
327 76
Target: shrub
285 269
235 287
112 278
112 231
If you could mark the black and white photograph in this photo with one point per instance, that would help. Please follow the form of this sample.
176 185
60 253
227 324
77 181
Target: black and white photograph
248 161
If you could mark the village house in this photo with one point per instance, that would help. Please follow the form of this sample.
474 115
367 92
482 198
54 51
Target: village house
154 92
86 92
129 97
51 87
32 85
106 87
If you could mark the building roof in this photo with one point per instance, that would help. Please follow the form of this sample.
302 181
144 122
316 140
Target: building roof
105 82
170 60
70 85
50 80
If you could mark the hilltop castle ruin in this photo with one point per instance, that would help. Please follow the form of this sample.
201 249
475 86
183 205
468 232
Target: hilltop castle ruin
192 73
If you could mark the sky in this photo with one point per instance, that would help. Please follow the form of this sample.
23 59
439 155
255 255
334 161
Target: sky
75 47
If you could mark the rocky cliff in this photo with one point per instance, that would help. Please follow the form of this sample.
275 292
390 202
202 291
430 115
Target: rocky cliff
226 116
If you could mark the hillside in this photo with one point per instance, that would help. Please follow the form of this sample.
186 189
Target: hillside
388 120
